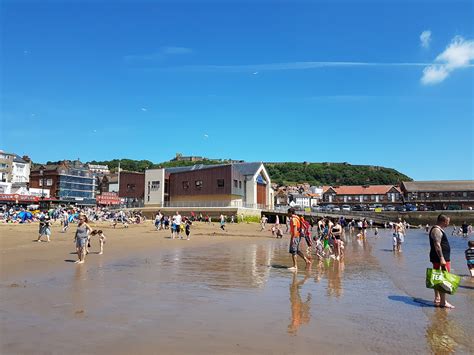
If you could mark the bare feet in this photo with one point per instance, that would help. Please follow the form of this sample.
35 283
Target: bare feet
101 253
293 268
81 262
447 305
77 262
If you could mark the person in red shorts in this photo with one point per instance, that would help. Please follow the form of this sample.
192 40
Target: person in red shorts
440 255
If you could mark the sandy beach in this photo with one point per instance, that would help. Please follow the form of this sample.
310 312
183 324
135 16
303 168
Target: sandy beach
221 292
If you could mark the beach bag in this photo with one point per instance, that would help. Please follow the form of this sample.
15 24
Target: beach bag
442 280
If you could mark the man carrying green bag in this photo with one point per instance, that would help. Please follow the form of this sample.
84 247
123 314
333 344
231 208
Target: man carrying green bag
442 280
440 255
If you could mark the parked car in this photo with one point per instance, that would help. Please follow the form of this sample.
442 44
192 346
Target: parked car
336 209
400 208
360 208
410 207
378 205
345 207
326 208
316 209
389 208
330 208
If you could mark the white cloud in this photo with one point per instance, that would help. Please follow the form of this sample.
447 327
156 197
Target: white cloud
144 109
425 38
458 54
206 136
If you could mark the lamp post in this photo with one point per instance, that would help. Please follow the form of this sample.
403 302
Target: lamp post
41 172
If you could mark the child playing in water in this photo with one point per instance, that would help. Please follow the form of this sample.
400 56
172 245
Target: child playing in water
376 232
470 257
102 239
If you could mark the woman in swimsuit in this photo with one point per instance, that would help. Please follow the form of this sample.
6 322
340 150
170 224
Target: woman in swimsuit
81 238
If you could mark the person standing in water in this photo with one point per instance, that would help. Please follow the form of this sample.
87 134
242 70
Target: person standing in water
295 226
440 255
81 238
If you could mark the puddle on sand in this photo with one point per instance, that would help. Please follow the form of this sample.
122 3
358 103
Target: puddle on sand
226 298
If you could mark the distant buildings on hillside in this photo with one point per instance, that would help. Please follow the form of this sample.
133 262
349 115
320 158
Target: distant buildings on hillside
231 183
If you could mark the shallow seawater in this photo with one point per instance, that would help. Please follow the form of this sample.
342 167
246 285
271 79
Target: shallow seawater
239 298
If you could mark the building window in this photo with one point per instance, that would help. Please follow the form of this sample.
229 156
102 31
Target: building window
130 187
235 183
365 198
49 182
155 185
372 198
240 184
464 194
349 198
220 182
40 182
185 185
198 184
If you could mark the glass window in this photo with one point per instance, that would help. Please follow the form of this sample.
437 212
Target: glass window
464 194
235 183
185 185
130 187
220 182
40 182
155 185
49 182
240 184
198 183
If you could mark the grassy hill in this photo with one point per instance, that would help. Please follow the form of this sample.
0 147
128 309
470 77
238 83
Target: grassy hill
290 173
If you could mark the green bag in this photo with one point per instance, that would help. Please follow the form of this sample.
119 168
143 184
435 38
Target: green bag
442 280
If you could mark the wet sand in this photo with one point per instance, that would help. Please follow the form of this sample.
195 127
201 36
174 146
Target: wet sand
227 293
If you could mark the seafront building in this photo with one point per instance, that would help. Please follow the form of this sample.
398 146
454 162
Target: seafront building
240 185
454 194
362 194
68 182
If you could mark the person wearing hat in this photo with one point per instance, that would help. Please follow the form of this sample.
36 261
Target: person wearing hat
44 228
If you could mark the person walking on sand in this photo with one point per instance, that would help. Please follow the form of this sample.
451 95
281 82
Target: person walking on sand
440 255
65 219
81 238
44 228
263 223
295 226
222 222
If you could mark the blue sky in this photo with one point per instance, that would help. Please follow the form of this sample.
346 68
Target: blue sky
385 83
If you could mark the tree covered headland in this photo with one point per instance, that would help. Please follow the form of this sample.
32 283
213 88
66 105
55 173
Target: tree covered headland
333 174
289 173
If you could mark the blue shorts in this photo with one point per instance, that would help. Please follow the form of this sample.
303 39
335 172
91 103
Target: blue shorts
81 242
294 246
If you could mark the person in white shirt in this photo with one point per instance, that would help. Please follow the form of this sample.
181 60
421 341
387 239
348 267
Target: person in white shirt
177 220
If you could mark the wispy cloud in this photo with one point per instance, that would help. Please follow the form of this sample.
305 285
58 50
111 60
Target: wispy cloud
158 56
425 39
176 50
256 68
458 54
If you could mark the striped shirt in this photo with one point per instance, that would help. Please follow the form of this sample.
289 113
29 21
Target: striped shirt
470 255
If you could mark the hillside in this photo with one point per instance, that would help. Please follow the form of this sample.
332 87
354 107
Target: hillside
290 173
333 174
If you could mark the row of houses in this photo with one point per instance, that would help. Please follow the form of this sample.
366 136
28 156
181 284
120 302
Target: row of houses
435 194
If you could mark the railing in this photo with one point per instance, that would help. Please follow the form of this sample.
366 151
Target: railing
214 204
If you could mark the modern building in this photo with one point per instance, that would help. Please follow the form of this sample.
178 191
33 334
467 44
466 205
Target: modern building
454 194
362 194
131 188
244 185
69 182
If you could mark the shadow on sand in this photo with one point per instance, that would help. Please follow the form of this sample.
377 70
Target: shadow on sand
70 261
417 302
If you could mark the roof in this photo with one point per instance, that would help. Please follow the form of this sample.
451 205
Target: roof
243 168
446 185
18 159
363 189
181 169
247 168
